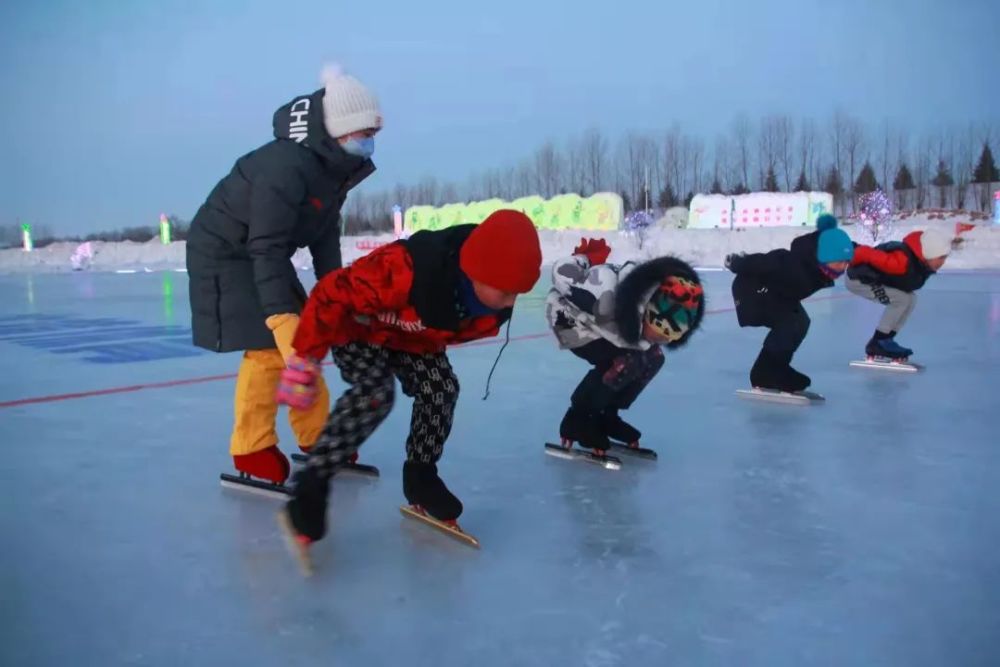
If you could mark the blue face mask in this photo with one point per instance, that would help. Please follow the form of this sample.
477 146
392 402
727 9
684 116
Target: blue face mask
361 147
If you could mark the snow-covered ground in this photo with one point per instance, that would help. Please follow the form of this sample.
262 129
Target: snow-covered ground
980 247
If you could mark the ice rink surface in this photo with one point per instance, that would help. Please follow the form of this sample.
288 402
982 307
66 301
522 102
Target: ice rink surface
863 531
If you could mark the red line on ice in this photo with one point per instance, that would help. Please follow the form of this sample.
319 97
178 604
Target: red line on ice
55 398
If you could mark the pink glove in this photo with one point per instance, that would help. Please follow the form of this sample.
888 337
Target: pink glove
297 388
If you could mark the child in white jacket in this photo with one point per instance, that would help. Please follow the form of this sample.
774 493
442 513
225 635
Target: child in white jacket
617 317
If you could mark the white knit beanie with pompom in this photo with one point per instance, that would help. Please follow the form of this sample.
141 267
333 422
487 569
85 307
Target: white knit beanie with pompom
935 243
348 106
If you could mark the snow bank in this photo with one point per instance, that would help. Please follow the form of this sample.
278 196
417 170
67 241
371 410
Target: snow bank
980 247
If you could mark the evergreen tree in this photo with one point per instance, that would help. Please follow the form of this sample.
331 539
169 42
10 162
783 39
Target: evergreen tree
943 177
986 170
985 174
626 201
866 180
802 185
667 197
740 190
904 179
833 184
943 180
902 184
771 181
716 187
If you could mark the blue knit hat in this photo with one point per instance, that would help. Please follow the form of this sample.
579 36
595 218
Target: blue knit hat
834 243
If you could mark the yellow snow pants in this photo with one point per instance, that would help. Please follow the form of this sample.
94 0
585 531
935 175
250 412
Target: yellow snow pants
256 405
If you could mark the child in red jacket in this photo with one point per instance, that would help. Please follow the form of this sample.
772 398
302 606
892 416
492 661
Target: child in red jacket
890 273
392 314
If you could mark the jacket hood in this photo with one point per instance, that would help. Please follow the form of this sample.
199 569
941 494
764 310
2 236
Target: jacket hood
634 290
301 120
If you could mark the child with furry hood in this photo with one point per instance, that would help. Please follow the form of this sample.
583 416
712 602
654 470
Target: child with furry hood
618 317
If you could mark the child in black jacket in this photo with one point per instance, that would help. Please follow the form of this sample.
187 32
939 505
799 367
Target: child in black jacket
769 289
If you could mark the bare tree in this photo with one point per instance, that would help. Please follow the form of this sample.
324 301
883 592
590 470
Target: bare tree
767 141
426 191
838 131
449 194
784 132
720 163
525 180
885 160
508 182
401 195
576 172
922 171
696 157
595 152
964 165
854 145
671 160
807 151
547 170
742 134
484 186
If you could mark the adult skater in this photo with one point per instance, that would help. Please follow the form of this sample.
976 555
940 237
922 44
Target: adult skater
244 291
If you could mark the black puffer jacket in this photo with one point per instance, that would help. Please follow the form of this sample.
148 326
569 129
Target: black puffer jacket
283 196
774 282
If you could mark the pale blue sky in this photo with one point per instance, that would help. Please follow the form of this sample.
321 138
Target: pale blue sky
115 111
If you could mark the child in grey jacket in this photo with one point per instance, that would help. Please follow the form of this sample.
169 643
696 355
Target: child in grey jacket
617 318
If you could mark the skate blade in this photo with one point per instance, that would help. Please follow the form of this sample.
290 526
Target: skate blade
254 486
637 452
298 550
888 365
772 396
453 531
572 454
355 469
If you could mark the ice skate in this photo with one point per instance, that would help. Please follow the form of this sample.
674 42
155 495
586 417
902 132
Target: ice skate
623 437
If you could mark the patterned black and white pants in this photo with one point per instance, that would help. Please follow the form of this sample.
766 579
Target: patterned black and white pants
372 371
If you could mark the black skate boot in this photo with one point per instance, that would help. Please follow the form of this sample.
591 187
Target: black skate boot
766 372
618 429
584 428
773 371
794 381
625 437
303 518
425 490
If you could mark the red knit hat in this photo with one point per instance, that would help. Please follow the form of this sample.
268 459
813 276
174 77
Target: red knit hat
503 252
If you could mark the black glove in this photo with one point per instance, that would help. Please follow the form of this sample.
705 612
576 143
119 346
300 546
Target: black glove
307 508
423 487
733 262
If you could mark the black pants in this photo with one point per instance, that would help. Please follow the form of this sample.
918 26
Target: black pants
787 333
618 377
372 371
787 319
